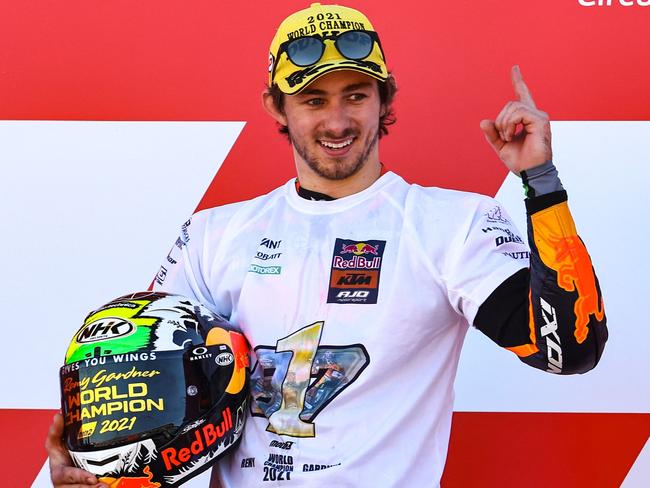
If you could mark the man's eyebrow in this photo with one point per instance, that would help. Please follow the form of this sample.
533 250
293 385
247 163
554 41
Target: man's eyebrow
312 91
350 88
357 86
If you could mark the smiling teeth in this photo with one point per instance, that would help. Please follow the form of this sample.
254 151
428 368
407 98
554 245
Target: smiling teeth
333 145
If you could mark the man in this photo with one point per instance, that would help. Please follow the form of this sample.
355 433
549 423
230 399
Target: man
355 289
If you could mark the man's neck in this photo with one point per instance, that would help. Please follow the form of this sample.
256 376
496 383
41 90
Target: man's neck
309 194
366 176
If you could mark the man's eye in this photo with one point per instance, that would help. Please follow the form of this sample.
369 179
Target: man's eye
314 101
357 97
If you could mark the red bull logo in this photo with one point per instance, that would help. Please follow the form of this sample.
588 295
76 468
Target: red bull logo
132 482
357 262
355 265
203 438
359 249
566 254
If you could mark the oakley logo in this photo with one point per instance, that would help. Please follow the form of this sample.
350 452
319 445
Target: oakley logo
105 329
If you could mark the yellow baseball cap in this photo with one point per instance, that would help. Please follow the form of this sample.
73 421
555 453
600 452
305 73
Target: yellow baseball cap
320 39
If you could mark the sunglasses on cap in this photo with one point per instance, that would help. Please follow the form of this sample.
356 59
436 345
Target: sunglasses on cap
307 51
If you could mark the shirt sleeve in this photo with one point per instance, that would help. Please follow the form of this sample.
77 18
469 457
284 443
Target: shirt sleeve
486 249
181 270
550 315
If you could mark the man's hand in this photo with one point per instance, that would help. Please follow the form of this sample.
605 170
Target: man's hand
63 474
526 147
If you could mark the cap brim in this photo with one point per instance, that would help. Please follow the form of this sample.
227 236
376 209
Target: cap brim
300 79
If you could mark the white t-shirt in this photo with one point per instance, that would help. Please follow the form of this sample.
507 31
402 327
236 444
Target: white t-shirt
356 310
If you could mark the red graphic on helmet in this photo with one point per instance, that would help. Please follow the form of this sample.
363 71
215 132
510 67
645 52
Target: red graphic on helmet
128 482
359 249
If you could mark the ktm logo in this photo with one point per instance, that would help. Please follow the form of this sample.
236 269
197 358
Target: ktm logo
105 329
354 279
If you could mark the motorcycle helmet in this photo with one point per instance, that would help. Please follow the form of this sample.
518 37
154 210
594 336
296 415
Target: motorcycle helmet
153 390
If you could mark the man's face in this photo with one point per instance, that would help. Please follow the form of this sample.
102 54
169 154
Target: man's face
334 124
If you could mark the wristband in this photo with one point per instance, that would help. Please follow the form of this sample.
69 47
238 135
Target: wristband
541 180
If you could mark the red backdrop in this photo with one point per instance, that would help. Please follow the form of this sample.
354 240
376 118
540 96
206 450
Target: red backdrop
206 60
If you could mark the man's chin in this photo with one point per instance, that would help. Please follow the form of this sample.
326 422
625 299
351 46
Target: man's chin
337 170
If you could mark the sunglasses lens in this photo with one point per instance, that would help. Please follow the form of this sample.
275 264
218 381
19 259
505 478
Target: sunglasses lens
354 44
305 51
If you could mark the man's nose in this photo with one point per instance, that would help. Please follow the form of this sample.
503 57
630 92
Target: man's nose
336 119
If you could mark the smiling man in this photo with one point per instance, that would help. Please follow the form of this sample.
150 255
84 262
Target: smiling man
355 289
334 129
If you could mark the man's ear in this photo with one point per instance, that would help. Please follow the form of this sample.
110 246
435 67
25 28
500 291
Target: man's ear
272 110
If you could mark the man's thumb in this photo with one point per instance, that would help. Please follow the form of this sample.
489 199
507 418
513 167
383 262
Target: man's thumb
491 134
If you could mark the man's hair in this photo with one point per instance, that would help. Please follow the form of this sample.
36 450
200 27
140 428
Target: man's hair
387 91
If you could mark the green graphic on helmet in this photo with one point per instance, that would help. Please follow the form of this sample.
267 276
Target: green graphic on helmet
117 329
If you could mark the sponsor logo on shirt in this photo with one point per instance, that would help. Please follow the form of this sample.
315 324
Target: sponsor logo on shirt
161 275
185 234
507 235
264 256
356 266
495 228
265 270
267 253
517 255
268 243
506 239
495 215
282 445
318 467
248 462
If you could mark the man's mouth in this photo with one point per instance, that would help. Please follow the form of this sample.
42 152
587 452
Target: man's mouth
336 146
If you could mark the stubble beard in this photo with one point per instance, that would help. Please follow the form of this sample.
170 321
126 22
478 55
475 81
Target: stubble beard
341 169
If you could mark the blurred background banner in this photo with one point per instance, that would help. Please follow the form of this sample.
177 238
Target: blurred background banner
118 119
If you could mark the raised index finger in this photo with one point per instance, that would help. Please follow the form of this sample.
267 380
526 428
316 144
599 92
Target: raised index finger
521 89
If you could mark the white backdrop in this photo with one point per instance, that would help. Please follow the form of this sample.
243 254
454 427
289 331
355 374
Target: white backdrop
90 209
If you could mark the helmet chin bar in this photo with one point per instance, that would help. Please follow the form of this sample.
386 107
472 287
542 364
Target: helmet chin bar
116 460
194 450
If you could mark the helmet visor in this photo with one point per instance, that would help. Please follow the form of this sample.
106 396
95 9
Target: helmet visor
108 401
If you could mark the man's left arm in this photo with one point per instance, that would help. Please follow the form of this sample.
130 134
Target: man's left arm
551 315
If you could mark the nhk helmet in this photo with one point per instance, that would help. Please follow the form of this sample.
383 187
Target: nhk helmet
153 390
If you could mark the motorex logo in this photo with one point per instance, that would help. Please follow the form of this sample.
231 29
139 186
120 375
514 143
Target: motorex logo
104 329
265 270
